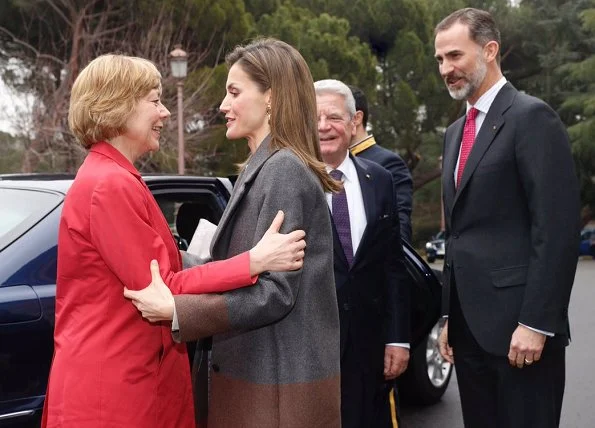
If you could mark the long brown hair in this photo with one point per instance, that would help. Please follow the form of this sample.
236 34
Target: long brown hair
275 65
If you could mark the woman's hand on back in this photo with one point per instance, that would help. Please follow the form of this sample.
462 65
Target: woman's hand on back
277 251
155 302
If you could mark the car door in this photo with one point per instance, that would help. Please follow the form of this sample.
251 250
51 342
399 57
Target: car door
184 201
28 234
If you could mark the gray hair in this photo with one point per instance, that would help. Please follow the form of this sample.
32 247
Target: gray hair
332 86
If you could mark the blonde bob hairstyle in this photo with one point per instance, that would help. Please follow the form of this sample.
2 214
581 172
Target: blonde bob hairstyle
105 94
275 65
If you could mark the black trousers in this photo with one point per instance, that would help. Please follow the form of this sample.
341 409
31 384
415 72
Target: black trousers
496 395
364 395
384 415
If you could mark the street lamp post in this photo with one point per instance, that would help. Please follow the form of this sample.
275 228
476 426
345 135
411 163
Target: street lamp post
179 66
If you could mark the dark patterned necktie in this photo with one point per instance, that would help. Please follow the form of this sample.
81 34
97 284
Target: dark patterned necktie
341 218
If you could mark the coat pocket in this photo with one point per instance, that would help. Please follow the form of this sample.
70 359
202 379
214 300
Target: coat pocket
509 277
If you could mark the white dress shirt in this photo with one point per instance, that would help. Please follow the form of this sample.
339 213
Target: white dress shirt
357 211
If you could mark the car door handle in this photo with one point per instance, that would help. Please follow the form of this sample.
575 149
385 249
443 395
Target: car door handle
18 303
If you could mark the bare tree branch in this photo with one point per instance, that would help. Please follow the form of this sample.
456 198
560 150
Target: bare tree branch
23 43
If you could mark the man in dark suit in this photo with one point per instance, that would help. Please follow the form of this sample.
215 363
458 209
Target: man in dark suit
365 146
373 301
512 220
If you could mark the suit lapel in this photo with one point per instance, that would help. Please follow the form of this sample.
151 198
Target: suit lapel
451 154
492 124
249 173
368 195
366 182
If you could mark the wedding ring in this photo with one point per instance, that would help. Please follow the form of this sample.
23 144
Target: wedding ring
528 362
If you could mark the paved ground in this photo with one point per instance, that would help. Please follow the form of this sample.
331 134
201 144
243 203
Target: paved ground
579 402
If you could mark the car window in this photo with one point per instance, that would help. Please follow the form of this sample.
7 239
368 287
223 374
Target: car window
183 212
20 209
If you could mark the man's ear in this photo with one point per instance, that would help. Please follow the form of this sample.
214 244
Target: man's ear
358 118
491 50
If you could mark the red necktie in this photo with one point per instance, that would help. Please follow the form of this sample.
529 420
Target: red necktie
467 144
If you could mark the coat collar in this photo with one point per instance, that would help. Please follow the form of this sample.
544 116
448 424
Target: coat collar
106 149
250 171
366 182
362 145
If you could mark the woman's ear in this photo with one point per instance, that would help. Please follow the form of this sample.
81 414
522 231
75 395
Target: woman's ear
268 96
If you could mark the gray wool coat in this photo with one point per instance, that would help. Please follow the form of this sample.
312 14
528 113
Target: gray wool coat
275 356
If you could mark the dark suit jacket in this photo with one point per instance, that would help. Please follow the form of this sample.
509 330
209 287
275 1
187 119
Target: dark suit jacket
402 182
373 299
512 225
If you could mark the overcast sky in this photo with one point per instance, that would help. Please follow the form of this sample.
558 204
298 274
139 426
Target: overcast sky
11 103
5 107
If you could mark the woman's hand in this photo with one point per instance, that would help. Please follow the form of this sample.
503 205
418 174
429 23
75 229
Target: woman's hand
276 251
155 303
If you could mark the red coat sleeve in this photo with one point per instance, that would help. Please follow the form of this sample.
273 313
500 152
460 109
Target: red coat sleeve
126 238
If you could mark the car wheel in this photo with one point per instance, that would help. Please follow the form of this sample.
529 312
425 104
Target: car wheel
428 374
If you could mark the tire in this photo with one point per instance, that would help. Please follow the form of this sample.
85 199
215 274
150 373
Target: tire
428 374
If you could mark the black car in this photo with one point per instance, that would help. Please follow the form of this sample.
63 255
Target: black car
30 207
587 242
435 247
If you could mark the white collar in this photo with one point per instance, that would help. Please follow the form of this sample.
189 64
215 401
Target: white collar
347 167
484 102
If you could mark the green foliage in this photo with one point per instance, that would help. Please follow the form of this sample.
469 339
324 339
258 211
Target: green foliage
408 99
578 81
11 153
376 22
199 24
325 44
386 47
426 213
260 7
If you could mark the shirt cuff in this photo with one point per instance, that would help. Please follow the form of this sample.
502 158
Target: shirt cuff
547 333
175 325
400 345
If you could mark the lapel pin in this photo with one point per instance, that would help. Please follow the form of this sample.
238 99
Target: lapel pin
368 176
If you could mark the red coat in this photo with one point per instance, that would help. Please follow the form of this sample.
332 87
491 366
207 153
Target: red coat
111 367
